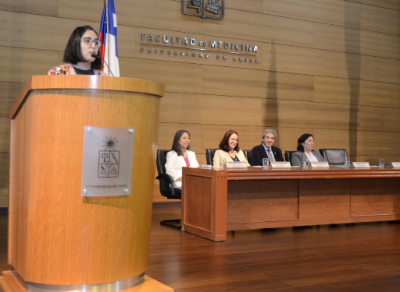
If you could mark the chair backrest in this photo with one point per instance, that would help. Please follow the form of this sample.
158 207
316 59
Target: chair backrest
160 162
288 156
335 157
247 154
210 155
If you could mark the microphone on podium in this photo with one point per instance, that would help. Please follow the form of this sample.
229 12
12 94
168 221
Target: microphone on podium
98 57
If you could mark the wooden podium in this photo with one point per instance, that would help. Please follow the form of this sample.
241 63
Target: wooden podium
56 236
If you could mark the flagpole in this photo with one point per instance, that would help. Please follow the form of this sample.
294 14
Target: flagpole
108 34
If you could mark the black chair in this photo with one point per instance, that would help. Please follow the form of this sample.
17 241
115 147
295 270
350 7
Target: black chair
288 156
166 186
335 157
247 154
210 155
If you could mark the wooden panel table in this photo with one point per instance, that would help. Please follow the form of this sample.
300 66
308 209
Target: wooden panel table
215 201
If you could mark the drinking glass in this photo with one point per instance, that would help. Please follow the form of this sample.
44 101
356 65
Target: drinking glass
305 163
223 162
265 163
381 163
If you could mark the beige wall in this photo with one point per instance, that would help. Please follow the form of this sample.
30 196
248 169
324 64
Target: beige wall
327 67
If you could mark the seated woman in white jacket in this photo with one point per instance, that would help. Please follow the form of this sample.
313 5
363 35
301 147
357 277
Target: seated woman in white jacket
229 149
179 157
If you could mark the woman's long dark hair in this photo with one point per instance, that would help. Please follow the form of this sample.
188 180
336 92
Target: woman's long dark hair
72 52
301 140
175 145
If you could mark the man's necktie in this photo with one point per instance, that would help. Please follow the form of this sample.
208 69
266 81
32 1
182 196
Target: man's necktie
270 155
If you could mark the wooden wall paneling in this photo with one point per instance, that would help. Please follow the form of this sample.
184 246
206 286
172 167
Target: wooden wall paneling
288 86
378 143
4 198
150 14
9 93
372 118
340 13
129 41
379 94
292 32
181 108
379 44
4 165
356 41
177 77
234 81
331 139
327 115
331 90
291 9
40 7
379 69
336 64
4 170
244 24
380 19
210 109
291 59
42 31
4 135
323 11
221 110
308 114
60 57
261 27
90 10
38 31
18 64
339 90
346 65
388 4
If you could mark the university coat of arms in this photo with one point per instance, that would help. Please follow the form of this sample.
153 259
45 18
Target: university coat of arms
204 8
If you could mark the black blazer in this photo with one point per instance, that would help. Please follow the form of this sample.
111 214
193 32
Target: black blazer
258 153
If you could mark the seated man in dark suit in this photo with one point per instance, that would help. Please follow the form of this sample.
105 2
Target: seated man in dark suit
266 150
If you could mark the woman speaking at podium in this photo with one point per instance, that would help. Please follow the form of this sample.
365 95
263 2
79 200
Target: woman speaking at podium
81 54
179 157
229 149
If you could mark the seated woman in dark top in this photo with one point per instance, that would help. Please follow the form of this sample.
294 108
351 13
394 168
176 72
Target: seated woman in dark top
82 44
305 146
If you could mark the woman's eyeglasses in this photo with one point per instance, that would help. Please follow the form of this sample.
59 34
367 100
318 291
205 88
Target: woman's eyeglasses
89 41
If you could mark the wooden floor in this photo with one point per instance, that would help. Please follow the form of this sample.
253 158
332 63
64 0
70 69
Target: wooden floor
361 257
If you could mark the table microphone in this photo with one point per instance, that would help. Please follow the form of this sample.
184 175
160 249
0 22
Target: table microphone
98 57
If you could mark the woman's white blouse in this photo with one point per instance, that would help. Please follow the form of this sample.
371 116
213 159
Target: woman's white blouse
311 158
174 164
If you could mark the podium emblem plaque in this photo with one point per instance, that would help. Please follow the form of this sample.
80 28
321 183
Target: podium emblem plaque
107 161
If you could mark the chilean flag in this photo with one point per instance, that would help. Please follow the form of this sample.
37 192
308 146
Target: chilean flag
109 49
